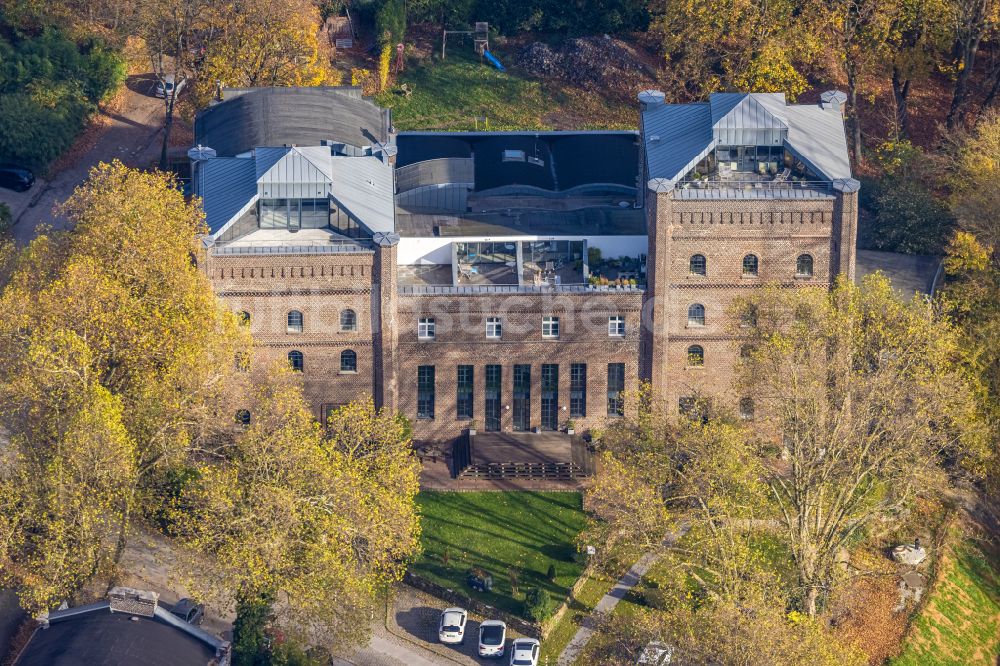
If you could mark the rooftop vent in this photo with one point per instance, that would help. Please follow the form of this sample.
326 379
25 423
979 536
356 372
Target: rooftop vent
132 601
200 153
833 100
654 138
650 98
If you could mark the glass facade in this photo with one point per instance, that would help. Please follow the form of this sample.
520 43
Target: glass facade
578 390
425 392
464 392
493 406
616 387
522 397
294 213
550 396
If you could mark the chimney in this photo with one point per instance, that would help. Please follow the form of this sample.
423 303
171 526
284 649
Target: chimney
833 101
650 98
132 601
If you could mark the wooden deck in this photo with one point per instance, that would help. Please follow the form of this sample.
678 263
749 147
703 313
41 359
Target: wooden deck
495 455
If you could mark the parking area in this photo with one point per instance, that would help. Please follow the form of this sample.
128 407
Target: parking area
414 618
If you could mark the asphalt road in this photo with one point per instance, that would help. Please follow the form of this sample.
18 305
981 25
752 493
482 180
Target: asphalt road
131 136
11 617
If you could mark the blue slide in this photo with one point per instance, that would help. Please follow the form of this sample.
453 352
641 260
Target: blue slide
496 63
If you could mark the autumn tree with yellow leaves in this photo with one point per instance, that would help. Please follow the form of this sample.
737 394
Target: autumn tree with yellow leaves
318 519
114 354
261 43
864 404
119 383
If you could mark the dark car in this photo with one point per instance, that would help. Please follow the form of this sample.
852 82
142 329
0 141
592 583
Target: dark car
189 610
16 178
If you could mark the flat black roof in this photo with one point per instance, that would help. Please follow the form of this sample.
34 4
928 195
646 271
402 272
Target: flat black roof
113 639
555 161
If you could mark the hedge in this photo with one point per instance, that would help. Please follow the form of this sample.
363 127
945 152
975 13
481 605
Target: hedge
49 86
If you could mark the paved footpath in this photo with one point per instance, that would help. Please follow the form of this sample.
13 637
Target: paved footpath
608 602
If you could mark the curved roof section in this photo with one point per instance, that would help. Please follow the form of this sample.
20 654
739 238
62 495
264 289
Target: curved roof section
249 118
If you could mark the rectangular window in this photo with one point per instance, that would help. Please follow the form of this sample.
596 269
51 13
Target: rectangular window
578 390
464 392
425 328
493 406
616 387
494 329
522 397
550 327
550 396
425 392
616 326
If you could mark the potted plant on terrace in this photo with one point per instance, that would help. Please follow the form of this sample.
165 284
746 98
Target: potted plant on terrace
472 427
570 427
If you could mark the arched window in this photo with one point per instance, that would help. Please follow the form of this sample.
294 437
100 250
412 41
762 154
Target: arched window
294 321
696 315
348 361
804 265
746 351
295 360
746 409
750 265
243 417
348 320
749 316
696 356
698 264
244 318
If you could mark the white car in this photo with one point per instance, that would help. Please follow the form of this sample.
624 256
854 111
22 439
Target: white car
165 86
524 652
451 628
492 638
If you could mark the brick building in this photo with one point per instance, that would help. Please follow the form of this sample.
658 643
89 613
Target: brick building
515 280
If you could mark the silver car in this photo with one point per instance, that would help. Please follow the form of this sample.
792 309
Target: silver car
492 638
165 86
524 652
451 628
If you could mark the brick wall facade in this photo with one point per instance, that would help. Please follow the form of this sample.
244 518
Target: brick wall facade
657 336
776 231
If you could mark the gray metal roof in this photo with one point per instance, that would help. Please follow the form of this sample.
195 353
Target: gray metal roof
287 116
230 186
226 185
364 186
817 137
742 110
678 136
299 174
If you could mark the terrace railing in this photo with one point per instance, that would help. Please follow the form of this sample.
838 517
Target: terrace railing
423 290
278 247
752 189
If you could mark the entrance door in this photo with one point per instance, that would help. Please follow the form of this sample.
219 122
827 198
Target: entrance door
550 396
522 397
294 219
492 398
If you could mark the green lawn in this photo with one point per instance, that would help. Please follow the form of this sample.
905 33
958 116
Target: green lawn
960 625
501 531
451 94
590 592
